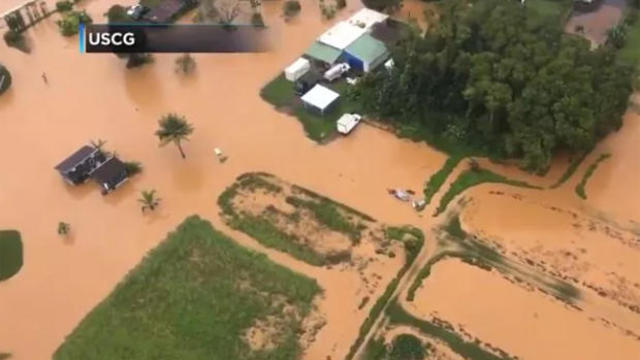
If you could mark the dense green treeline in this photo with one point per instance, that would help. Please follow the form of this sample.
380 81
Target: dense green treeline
500 79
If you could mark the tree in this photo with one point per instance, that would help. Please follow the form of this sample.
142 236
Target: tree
174 129
148 200
117 14
185 64
383 5
5 79
407 347
71 20
290 8
492 79
63 228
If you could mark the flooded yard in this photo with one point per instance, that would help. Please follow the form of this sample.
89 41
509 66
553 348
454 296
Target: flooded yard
91 96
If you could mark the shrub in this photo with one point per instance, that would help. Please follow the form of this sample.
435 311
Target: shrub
256 20
341 4
117 14
185 64
5 79
15 39
71 20
64 5
138 59
291 8
133 167
328 11
406 347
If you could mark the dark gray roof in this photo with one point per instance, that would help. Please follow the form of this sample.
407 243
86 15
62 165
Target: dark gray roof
111 170
76 158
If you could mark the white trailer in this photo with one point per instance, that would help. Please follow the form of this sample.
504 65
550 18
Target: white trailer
347 122
336 71
296 70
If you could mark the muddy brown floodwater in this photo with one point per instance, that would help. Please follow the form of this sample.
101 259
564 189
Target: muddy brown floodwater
93 96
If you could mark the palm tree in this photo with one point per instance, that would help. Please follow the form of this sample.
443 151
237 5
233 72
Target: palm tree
174 128
148 200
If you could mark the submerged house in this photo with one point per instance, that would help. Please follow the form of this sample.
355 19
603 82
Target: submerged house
110 175
78 167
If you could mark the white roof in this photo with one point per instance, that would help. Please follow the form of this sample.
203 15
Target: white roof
301 63
366 18
320 97
341 35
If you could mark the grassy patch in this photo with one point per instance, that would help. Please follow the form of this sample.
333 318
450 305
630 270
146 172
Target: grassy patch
549 9
335 216
10 253
439 177
328 214
470 178
571 169
630 53
468 350
580 188
412 248
193 297
318 127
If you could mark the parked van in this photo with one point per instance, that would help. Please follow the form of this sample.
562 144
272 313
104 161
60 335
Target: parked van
336 71
347 122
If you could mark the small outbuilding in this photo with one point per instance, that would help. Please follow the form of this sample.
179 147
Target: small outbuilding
78 167
296 70
366 53
110 175
320 97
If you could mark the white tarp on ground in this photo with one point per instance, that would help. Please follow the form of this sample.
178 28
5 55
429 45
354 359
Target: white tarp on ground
366 18
341 35
299 67
320 97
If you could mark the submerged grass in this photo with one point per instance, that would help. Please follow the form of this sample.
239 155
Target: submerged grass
193 297
329 213
466 349
439 177
571 169
474 177
580 188
413 239
10 253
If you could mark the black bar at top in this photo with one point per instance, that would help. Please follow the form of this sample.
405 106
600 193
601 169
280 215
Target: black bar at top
174 38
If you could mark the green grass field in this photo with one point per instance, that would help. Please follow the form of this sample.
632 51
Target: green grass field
193 297
318 127
10 253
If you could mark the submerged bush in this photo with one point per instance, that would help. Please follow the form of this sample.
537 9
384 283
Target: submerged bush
185 64
407 347
291 8
133 167
71 21
5 79
256 20
15 39
64 5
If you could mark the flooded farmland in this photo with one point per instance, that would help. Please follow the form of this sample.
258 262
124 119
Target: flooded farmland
91 97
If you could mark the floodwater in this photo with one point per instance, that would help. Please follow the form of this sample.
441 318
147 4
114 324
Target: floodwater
93 96
525 324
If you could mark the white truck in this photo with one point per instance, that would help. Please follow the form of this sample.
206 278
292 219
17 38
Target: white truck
336 71
347 122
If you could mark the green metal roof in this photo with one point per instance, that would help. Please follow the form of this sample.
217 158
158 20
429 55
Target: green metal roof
367 48
323 52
